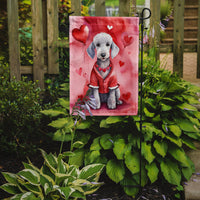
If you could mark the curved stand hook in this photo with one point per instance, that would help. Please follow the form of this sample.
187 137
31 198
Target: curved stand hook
143 18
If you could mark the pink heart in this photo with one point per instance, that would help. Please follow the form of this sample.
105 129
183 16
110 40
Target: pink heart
127 39
81 34
121 63
79 71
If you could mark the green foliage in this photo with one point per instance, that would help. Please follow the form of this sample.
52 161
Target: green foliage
20 107
170 122
54 180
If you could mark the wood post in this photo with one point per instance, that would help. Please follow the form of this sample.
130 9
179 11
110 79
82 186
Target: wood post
124 8
178 47
14 44
198 44
76 7
154 39
100 8
37 38
52 36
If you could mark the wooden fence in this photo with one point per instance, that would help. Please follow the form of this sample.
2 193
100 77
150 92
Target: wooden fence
45 34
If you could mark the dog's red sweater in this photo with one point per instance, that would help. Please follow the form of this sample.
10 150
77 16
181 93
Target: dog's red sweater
96 80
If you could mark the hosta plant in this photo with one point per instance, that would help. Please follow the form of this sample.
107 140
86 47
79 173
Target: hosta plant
54 180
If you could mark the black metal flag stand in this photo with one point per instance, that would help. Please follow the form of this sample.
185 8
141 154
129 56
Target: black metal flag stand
142 18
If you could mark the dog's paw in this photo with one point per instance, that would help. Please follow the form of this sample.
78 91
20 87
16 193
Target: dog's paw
112 106
119 102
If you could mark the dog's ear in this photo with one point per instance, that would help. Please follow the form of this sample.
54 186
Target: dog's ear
91 50
114 50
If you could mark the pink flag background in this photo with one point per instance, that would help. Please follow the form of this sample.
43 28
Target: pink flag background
125 33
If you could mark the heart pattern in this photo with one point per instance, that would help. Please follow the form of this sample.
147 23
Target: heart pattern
81 34
79 71
127 39
126 96
109 27
121 63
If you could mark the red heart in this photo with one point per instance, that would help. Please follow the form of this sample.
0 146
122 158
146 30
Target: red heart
121 63
79 71
81 34
126 39
126 96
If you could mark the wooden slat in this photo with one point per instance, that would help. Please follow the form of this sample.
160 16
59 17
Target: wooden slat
37 38
124 8
178 36
14 44
198 44
155 27
52 33
100 8
76 7
29 69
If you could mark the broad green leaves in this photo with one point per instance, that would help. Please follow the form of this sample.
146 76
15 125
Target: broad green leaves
171 172
115 170
56 179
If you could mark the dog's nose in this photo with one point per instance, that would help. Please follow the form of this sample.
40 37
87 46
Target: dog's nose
103 55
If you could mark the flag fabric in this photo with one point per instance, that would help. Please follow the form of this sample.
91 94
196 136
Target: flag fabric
104 64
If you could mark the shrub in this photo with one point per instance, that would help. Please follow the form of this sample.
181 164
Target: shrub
170 123
20 107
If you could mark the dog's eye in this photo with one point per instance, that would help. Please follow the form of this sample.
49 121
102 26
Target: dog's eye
98 44
107 44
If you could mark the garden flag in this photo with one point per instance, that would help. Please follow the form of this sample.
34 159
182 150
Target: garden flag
104 65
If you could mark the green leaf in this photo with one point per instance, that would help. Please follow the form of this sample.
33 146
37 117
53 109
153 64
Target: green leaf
119 148
175 130
174 140
147 153
16 197
92 157
160 147
84 125
103 124
91 171
188 171
78 157
65 191
29 196
64 103
147 113
179 155
165 107
171 172
188 142
132 161
62 122
153 171
129 186
53 113
78 144
10 177
33 188
59 135
50 160
186 125
30 175
61 168
115 170
106 141
95 146
114 119
185 106
10 188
